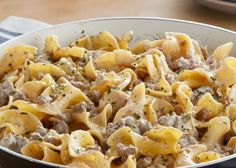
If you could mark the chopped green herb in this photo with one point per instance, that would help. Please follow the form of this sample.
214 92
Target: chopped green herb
27 133
137 116
28 62
58 88
109 91
231 85
62 63
23 113
13 107
77 150
186 117
213 79
225 122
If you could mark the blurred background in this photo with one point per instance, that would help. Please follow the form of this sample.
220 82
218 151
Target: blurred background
58 11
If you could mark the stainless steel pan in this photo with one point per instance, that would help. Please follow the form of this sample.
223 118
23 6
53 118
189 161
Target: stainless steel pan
142 27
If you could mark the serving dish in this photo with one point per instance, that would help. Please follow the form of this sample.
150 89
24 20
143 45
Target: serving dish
144 28
226 6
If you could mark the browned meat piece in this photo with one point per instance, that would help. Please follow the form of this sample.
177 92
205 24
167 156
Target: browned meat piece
14 142
182 123
129 121
144 162
43 134
61 127
143 126
181 64
100 79
80 107
6 90
202 115
167 120
51 137
112 127
186 64
212 62
198 93
43 58
94 96
80 85
44 99
139 126
151 85
20 96
42 131
85 107
187 140
224 150
95 147
125 151
65 117
39 133
35 136
170 78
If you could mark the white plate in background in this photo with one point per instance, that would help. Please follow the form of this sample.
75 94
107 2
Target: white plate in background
221 5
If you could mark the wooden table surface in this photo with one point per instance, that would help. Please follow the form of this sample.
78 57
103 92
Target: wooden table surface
58 11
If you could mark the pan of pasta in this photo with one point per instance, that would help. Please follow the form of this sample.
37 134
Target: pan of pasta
119 93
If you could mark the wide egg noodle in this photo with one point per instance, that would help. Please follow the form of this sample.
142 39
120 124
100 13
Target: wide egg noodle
216 129
37 86
93 159
207 156
134 105
90 70
177 45
96 123
223 51
18 122
187 155
53 47
38 150
115 61
163 140
227 71
44 68
72 94
183 93
195 78
16 56
208 107
120 81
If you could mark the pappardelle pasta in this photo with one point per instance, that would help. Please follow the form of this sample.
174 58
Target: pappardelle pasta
101 102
